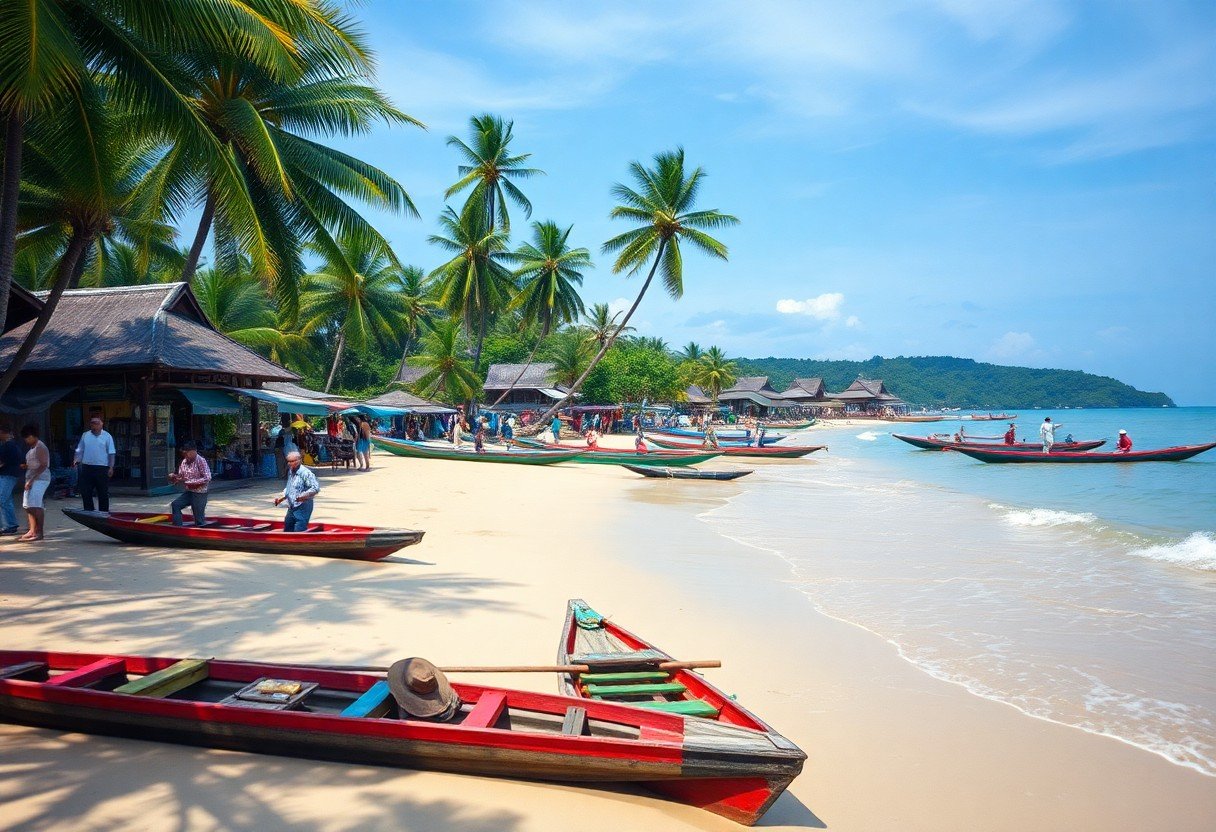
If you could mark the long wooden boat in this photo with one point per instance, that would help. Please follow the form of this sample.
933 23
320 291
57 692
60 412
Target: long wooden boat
932 443
740 436
1175 454
685 473
615 456
438 450
329 714
803 425
918 418
992 417
766 452
248 534
625 669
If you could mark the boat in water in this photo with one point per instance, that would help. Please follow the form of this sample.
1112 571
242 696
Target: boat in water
1175 454
333 714
627 670
741 436
684 473
621 456
933 443
248 534
442 450
728 449
992 417
929 417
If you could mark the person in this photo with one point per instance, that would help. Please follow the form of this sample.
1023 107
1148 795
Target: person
301 488
363 445
1068 440
10 471
195 474
37 477
556 427
593 438
760 436
479 436
508 430
710 440
1011 435
458 428
1125 442
958 438
1047 432
639 443
95 457
280 452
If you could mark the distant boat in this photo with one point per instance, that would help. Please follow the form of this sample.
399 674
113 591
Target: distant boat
920 418
932 443
728 435
685 473
1175 454
621 456
992 417
437 450
768 452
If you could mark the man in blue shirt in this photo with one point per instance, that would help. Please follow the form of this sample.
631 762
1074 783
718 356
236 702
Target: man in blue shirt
10 473
95 455
301 487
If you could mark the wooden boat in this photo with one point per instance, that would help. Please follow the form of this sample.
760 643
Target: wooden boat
740 436
789 425
248 534
766 452
932 443
329 714
685 473
992 417
918 418
625 669
616 456
1175 454
441 450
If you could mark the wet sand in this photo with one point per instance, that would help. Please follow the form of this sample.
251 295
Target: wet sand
890 747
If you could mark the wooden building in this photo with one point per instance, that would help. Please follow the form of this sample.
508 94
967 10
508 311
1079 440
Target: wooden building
750 396
535 388
869 396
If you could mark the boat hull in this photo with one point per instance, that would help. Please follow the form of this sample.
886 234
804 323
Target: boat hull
1176 454
419 450
685 474
329 541
768 452
929 443
740 436
605 456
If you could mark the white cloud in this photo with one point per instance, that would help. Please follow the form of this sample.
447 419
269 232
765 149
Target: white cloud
825 307
619 304
1013 345
852 320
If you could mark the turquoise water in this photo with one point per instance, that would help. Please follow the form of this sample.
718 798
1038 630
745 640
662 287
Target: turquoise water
1083 595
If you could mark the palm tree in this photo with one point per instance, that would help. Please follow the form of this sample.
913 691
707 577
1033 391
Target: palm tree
490 167
549 274
601 323
715 372
691 352
649 342
448 374
474 285
569 351
236 303
354 295
662 204
416 307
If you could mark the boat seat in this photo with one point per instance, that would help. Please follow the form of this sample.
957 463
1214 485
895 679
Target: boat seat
313 529
684 707
90 673
375 702
37 670
637 676
261 527
645 689
156 518
487 711
575 723
168 680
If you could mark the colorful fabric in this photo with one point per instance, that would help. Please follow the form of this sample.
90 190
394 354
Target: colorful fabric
195 475
300 482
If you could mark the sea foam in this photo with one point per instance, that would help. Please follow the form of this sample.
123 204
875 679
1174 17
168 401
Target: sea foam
869 436
1043 516
1198 551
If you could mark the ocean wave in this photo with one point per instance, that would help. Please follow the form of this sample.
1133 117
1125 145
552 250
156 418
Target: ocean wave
869 436
1196 552
1043 516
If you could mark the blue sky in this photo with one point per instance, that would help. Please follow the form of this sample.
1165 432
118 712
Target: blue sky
1027 183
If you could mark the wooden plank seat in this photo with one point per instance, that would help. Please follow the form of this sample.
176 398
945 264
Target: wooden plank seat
171 679
487 710
261 527
623 660
26 671
156 518
575 723
313 529
683 707
90 673
645 689
375 702
637 676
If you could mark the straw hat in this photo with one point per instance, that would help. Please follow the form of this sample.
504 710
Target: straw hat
1122 431
421 689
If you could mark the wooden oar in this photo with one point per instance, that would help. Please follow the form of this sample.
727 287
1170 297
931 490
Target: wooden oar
521 668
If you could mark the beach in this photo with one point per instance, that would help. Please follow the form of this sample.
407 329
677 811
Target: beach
890 746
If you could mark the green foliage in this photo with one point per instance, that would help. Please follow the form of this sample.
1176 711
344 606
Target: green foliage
630 373
941 381
489 167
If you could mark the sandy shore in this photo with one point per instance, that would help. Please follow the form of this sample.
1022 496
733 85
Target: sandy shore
890 748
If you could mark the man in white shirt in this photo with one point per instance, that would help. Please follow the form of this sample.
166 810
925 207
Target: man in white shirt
1047 431
95 458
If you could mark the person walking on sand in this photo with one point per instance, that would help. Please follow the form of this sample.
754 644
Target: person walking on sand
363 445
479 436
1125 443
195 474
508 431
1011 435
10 473
95 457
37 477
1047 432
301 488
556 427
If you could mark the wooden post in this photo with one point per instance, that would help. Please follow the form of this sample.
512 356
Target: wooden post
145 443
255 444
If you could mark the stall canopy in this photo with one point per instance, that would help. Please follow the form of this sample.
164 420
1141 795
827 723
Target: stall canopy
294 404
210 402
400 403
19 400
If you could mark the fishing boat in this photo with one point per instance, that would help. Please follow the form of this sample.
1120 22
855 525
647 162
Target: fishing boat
992 417
925 418
441 450
248 534
933 443
766 452
740 436
627 669
685 473
1175 454
790 425
617 456
331 714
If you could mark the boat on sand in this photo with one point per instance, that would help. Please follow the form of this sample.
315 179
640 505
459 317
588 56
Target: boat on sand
766 452
442 450
685 473
620 456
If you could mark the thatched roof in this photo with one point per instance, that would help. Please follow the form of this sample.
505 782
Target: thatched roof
408 373
696 395
866 389
136 326
408 401
535 377
751 384
805 388
23 306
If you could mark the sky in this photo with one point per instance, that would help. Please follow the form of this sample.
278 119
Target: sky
1026 183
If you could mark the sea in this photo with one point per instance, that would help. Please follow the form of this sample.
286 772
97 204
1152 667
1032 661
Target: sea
1080 594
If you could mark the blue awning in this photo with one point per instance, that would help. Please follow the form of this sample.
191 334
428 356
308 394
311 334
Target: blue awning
210 402
294 404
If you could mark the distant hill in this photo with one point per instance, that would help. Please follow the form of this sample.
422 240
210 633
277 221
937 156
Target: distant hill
941 381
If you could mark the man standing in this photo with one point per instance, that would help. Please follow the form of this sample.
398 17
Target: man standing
95 457
10 472
363 445
195 474
301 487
556 427
1011 435
1047 432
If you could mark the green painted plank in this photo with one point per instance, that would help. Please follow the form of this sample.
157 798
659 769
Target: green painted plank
640 676
169 680
635 690
685 707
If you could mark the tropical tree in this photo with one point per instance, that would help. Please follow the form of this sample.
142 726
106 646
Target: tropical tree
570 352
449 375
549 274
714 372
475 284
489 167
417 307
691 352
662 204
353 296
650 342
601 323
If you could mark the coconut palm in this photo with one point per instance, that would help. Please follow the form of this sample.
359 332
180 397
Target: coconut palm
601 323
649 342
353 296
489 167
548 274
569 351
662 204
448 374
714 372
691 352
417 307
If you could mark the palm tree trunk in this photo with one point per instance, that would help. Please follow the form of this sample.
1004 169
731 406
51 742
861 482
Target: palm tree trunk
405 353
81 262
527 364
543 420
14 132
200 238
333 371
79 241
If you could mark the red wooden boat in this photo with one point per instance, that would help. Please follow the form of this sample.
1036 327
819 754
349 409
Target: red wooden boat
625 669
766 452
246 534
331 714
932 443
1175 454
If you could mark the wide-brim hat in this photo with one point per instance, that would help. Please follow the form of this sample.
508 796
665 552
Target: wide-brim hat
421 689
1122 431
